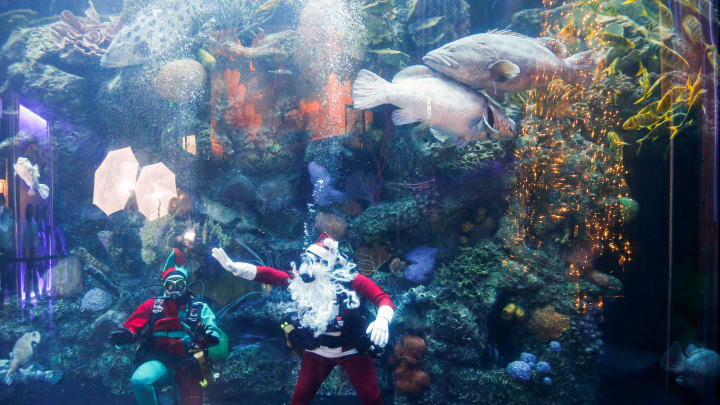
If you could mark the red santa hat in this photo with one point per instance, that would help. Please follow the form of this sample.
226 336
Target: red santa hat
175 264
325 247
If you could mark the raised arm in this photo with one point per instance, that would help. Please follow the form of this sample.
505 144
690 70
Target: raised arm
261 274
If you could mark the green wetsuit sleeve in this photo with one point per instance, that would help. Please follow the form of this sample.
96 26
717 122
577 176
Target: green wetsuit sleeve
207 316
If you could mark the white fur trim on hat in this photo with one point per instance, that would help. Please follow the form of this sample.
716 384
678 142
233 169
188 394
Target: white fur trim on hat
322 252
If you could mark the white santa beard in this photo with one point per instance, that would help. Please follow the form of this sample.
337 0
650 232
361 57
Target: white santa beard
314 302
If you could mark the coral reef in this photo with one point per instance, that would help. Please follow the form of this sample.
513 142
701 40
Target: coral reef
409 378
546 324
96 300
89 35
422 264
370 259
334 225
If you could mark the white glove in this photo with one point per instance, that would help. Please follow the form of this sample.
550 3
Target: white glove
378 329
244 270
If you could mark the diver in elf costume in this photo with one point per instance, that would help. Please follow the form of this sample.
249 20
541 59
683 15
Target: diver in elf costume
331 328
175 332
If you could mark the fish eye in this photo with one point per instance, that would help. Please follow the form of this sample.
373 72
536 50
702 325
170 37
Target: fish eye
452 48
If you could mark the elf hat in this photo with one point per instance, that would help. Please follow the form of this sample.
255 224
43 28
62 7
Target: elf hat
175 264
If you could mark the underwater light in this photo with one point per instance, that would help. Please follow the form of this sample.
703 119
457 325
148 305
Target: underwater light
126 186
189 235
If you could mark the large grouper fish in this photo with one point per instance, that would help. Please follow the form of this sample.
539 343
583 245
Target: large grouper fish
156 31
505 61
423 95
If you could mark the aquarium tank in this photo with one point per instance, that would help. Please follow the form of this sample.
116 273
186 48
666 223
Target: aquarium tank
409 202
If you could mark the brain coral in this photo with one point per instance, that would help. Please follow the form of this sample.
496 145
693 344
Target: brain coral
179 80
547 324
96 300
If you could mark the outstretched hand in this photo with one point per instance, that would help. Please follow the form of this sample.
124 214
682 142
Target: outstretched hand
244 270
222 258
202 333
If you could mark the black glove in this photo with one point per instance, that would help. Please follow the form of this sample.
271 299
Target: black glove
301 339
121 337
202 334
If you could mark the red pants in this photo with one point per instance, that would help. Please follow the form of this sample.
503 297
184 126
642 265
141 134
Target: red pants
314 369
189 387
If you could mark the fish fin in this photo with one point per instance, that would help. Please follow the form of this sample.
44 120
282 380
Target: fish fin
690 349
674 359
557 47
503 70
494 94
44 191
483 126
579 68
447 140
404 117
9 377
369 90
414 72
439 136
462 142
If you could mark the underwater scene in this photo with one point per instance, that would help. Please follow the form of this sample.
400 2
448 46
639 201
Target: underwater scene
408 202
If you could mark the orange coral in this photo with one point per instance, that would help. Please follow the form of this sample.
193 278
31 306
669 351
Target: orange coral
370 259
327 119
239 113
234 88
409 379
547 324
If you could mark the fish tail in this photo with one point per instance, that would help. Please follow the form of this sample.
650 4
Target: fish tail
579 68
9 376
369 90
43 190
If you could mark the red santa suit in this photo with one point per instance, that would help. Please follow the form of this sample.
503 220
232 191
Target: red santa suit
317 363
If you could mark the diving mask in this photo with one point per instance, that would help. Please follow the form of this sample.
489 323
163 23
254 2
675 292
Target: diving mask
175 286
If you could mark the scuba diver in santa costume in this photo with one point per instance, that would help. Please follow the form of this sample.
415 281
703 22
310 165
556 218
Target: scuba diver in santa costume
330 318
175 332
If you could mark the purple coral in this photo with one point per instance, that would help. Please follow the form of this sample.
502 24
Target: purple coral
519 370
547 381
555 346
323 191
528 357
422 267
